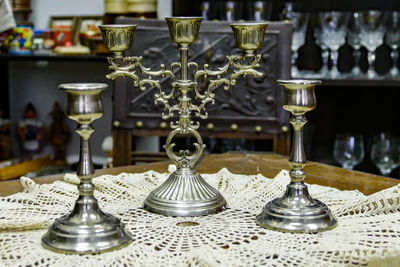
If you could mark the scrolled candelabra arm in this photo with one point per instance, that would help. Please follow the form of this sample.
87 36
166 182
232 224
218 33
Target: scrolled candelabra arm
223 77
129 66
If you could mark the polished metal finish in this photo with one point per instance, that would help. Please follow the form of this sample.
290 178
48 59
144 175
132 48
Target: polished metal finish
184 30
249 37
86 229
185 193
296 210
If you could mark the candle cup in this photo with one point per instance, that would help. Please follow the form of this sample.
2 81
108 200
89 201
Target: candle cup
118 38
86 229
296 210
249 36
183 30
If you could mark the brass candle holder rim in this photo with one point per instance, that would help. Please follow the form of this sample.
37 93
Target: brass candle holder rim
248 23
83 86
299 82
184 18
117 26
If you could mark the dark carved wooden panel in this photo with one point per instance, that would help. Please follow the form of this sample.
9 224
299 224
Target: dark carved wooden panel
251 102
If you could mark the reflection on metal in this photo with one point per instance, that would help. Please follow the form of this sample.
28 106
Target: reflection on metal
296 210
86 229
185 193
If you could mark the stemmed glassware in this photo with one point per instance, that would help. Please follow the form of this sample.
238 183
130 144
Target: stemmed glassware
349 150
259 10
392 39
324 70
333 31
354 40
300 22
385 153
372 32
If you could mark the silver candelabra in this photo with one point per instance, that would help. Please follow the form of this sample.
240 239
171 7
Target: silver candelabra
184 193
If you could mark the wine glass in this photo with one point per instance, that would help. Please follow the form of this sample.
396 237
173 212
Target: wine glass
385 153
233 11
354 40
324 71
392 25
349 150
372 33
259 10
300 22
333 26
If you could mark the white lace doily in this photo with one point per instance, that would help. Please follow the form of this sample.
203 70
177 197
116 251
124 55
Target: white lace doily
368 230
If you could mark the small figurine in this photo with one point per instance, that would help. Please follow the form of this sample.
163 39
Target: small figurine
5 138
58 134
30 130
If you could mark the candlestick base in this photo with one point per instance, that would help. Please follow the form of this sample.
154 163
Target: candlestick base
78 234
296 211
185 193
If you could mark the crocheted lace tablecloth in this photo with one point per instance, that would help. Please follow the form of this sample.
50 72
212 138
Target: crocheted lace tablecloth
368 230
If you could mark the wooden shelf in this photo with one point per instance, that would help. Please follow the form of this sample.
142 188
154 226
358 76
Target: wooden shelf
53 57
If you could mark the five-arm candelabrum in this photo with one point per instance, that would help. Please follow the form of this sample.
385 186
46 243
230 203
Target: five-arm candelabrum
184 193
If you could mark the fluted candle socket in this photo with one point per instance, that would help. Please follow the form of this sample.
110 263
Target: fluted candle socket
118 38
249 36
184 30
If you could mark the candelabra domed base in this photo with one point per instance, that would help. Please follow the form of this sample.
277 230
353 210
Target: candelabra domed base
296 211
185 193
78 233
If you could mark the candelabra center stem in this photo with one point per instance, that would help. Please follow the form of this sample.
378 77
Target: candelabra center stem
184 54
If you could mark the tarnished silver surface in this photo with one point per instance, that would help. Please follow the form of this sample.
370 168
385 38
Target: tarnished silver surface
296 210
86 229
185 193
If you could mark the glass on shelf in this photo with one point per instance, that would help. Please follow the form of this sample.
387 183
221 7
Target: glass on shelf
392 39
205 8
233 10
300 22
372 32
385 153
354 40
324 70
349 150
259 10
333 35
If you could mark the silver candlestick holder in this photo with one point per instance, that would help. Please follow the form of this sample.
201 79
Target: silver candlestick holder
296 210
86 229
184 193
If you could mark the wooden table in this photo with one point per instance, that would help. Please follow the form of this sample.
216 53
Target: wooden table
267 164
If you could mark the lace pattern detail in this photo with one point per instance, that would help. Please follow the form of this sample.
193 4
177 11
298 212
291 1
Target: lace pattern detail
368 230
